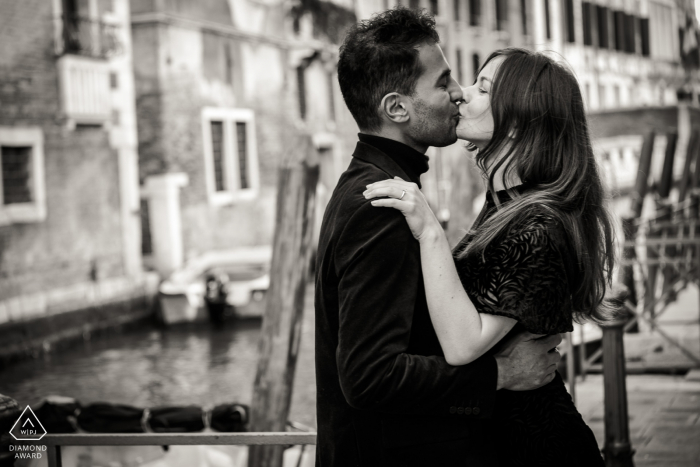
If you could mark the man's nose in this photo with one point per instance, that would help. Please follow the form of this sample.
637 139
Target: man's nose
455 91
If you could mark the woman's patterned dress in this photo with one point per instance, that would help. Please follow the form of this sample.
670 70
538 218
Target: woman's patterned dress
527 275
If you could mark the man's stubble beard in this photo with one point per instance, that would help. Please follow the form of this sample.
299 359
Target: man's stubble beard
429 128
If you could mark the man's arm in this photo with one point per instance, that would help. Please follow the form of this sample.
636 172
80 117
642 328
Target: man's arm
378 265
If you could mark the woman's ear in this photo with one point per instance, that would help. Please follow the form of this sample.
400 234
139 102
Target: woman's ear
513 133
394 108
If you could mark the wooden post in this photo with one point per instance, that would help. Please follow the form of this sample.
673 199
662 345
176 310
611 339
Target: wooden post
629 222
641 185
664 209
694 209
666 181
281 327
54 456
618 448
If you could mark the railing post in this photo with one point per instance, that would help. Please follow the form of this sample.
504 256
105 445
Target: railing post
618 448
54 456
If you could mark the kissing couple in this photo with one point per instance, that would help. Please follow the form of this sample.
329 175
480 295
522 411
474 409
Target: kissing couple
432 356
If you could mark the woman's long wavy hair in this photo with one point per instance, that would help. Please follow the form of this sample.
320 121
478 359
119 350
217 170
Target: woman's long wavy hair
539 120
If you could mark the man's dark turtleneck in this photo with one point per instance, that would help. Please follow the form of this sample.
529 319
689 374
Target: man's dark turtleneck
411 161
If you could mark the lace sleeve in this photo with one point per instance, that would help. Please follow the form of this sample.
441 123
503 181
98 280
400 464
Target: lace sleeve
524 277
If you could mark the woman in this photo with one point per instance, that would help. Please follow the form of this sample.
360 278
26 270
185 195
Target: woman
539 254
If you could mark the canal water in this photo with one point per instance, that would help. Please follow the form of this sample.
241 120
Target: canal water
150 366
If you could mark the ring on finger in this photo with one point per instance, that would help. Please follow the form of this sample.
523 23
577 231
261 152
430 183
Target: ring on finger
403 193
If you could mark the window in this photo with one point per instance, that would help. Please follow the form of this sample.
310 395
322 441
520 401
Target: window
603 27
434 7
301 90
331 96
16 174
619 28
113 80
547 22
217 152
414 4
146 239
630 34
475 65
602 99
664 45
474 12
228 64
501 15
242 147
588 30
22 189
568 6
230 154
460 75
644 33
523 15
456 6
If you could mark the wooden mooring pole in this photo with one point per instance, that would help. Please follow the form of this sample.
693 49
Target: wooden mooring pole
281 326
629 222
618 447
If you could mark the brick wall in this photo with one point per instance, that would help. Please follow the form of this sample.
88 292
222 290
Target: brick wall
80 240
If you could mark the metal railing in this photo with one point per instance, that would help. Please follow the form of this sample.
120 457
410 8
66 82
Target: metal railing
88 37
55 442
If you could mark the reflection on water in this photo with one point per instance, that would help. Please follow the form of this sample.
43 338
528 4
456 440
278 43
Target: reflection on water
199 365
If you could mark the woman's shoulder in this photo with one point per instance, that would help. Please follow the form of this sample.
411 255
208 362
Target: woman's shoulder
539 224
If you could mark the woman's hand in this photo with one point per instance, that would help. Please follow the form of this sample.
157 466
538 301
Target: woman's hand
407 198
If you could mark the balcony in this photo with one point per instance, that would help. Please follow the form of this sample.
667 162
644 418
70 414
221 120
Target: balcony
84 87
88 37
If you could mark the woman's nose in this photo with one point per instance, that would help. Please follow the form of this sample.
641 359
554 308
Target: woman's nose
466 95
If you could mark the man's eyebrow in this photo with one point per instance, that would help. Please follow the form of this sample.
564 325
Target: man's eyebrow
444 74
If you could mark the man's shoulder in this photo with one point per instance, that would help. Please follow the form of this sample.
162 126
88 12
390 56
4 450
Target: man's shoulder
348 211
354 181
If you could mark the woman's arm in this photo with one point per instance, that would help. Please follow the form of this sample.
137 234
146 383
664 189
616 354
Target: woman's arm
464 333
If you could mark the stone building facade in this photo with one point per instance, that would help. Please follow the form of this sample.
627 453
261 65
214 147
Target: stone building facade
69 225
625 53
223 89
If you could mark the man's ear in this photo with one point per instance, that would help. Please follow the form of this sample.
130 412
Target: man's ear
393 108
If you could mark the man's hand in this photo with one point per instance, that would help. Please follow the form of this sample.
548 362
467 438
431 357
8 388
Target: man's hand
528 361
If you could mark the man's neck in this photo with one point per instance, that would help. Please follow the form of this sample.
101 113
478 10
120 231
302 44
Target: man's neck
396 135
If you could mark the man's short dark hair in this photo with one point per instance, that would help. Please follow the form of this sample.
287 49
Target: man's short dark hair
379 56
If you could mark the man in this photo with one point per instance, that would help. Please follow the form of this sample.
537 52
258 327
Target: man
385 395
